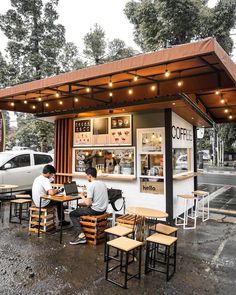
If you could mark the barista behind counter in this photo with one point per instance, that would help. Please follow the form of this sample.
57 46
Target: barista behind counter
109 163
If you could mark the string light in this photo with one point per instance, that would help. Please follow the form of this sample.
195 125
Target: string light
135 77
110 84
167 72
130 91
25 101
110 94
46 105
88 89
12 104
230 117
222 100
57 94
76 99
60 102
226 110
33 107
153 87
180 82
39 99
217 92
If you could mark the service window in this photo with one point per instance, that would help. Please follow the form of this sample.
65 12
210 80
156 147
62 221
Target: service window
20 161
42 159
181 160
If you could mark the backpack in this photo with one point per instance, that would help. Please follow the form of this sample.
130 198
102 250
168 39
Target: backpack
113 196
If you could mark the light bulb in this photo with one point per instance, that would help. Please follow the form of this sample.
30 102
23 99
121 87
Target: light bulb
39 99
217 92
25 102
222 100
88 89
76 99
110 94
230 117
57 94
130 91
46 104
135 78
60 102
153 87
12 104
180 83
34 107
226 110
110 83
167 73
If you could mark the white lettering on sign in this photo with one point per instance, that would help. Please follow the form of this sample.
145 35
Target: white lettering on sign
182 133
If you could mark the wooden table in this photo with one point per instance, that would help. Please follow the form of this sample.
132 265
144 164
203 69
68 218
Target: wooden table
146 213
57 198
8 187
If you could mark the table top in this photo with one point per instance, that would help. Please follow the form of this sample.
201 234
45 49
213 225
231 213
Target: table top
147 212
8 186
60 198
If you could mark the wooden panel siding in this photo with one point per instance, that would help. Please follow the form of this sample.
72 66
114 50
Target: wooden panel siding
63 149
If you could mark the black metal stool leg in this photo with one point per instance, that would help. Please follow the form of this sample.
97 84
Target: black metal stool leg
20 212
168 263
126 268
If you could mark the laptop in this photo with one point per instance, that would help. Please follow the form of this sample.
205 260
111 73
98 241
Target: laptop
71 189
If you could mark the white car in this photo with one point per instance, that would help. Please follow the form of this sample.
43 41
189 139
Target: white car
21 167
181 163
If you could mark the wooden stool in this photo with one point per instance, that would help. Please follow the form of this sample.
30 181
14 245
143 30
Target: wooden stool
23 196
93 227
123 245
117 231
201 197
164 229
19 211
154 256
47 219
187 198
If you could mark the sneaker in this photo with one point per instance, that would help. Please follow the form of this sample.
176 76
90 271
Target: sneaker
78 240
64 223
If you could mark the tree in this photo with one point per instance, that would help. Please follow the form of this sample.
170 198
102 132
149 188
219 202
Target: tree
160 23
68 59
31 132
117 50
98 51
36 40
3 71
95 45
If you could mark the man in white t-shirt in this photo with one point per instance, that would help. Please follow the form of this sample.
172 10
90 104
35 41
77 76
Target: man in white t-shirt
42 186
96 202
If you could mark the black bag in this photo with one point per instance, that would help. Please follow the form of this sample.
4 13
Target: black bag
113 195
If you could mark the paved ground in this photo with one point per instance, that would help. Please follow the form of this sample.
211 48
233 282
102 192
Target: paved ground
206 264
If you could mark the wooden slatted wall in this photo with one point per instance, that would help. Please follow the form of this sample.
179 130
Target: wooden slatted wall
63 150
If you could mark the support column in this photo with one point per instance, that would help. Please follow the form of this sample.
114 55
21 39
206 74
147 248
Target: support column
169 166
195 155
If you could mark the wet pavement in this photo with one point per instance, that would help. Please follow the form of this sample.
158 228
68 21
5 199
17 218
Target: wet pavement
206 264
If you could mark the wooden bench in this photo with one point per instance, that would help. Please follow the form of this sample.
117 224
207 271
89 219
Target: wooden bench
47 219
93 227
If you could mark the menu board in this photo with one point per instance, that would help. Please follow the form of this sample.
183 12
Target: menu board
120 133
100 131
103 131
82 132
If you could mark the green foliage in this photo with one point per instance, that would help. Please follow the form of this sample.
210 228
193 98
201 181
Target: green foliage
117 50
34 133
3 71
160 23
227 133
98 51
95 44
35 40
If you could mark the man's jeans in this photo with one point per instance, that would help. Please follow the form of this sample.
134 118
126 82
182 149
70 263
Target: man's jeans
75 217
59 205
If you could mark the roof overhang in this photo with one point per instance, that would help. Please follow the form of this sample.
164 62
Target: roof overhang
202 66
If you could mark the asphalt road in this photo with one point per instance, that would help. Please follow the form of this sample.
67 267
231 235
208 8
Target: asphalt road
217 179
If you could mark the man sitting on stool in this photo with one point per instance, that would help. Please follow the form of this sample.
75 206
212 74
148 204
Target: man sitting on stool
96 202
42 186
